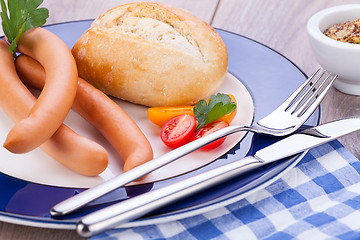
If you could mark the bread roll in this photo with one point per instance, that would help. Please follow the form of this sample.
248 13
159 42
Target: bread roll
152 54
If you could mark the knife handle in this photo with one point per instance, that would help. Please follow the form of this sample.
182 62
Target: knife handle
133 208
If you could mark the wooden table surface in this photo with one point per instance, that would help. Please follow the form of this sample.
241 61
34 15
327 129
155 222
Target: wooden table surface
279 24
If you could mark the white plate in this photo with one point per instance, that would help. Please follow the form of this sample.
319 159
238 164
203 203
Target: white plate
38 167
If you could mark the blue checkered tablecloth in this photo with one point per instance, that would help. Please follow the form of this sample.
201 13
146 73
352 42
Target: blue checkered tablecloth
318 199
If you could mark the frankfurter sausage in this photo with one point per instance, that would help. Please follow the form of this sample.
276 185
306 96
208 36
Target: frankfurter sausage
101 112
58 94
65 146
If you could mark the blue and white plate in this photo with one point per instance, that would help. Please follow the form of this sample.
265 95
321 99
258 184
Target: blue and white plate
259 78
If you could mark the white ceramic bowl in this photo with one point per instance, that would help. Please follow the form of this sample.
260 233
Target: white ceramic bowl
335 56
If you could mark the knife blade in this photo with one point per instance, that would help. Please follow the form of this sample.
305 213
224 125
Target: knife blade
138 206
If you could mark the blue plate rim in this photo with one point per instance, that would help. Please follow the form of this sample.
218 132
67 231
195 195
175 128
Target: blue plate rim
71 223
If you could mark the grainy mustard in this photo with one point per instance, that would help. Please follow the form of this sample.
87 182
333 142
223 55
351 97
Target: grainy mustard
345 32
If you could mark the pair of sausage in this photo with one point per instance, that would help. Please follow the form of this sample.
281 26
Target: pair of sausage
64 145
39 122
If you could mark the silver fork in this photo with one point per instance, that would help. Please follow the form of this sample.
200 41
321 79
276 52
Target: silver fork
286 119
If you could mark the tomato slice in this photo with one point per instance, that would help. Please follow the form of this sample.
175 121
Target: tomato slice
178 130
208 129
160 115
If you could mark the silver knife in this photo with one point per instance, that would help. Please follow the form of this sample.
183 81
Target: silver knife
133 208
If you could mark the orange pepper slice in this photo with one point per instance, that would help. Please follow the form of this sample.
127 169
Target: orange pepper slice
160 115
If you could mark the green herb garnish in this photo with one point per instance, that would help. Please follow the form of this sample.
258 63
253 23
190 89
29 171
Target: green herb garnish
218 106
22 15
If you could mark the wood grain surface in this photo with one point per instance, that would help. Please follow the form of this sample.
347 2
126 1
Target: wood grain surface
279 24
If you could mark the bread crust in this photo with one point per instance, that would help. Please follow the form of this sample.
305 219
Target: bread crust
181 60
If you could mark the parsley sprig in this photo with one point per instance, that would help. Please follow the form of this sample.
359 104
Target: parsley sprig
218 106
19 16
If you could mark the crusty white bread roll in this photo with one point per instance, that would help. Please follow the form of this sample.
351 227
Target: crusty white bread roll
152 54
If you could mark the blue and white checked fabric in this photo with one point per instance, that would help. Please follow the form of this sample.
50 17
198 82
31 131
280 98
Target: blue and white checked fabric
318 199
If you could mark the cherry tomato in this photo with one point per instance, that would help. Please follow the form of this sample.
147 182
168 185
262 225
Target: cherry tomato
178 130
208 129
160 115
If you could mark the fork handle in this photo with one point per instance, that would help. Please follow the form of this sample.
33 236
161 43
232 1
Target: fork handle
128 210
71 204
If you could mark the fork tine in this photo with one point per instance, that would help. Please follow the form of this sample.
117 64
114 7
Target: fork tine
309 90
312 102
298 92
